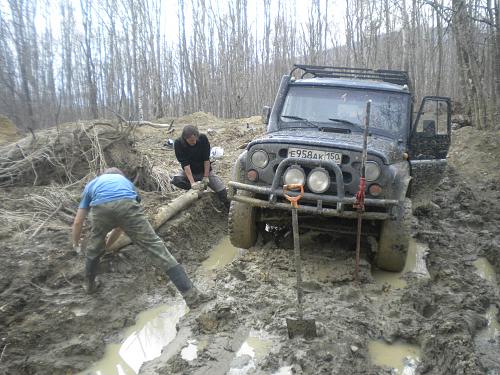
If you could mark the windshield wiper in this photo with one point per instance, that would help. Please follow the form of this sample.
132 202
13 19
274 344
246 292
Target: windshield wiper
298 118
347 122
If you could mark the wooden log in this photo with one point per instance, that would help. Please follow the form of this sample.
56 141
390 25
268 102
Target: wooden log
168 127
164 214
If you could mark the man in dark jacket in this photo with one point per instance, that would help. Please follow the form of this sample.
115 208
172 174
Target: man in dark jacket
192 150
113 203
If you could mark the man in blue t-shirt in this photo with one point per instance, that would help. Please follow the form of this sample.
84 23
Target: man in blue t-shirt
113 203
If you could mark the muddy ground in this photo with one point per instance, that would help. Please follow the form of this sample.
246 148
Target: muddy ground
49 326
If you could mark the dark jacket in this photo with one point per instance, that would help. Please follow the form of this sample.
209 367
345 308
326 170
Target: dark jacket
194 156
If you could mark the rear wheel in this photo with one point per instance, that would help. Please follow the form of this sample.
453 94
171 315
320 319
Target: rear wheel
394 241
242 226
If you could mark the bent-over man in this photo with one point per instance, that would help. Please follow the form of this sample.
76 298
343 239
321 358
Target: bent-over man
113 203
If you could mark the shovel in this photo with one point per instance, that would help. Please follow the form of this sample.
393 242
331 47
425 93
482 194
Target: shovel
298 326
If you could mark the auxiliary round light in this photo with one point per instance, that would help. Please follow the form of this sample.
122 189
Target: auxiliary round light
372 171
375 190
252 175
318 180
294 175
260 158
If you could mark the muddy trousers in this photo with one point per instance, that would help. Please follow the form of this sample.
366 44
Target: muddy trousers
128 215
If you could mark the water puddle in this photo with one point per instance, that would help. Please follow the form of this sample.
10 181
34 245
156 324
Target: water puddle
415 263
144 341
485 270
287 370
79 311
400 356
389 278
493 329
190 352
222 254
487 342
256 346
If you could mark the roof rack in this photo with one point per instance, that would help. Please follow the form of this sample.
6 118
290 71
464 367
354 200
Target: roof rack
397 77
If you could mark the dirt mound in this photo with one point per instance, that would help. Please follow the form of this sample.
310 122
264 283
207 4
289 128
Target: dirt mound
8 131
475 154
196 118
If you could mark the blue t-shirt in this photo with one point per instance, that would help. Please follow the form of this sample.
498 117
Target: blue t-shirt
107 188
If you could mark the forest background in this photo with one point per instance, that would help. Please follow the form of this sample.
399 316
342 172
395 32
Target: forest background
87 59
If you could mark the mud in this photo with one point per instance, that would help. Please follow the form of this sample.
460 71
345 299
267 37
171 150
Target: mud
445 315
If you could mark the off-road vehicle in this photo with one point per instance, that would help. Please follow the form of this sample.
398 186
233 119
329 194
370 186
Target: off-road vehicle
315 138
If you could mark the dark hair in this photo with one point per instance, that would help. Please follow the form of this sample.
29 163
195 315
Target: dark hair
112 170
188 131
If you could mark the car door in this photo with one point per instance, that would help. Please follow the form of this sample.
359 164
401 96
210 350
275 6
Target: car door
430 140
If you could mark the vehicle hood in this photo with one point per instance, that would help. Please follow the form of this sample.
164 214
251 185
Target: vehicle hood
389 150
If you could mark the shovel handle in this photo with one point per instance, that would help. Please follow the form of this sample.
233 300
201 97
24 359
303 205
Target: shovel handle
293 200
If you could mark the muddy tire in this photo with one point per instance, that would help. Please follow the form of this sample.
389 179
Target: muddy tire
394 241
242 226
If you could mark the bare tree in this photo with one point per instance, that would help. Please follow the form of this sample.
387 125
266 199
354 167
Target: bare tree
121 61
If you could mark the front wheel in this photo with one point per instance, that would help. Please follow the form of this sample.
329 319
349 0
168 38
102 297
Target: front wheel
395 240
241 223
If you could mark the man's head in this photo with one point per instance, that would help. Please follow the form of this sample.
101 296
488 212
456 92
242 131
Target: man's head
190 134
112 170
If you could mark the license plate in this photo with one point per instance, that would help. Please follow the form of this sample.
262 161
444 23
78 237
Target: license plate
314 154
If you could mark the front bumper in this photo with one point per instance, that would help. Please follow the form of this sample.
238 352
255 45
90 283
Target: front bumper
314 201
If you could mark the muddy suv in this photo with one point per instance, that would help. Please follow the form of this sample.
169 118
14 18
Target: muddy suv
315 138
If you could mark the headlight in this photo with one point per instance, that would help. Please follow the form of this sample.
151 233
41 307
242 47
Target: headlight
260 159
372 171
294 175
318 180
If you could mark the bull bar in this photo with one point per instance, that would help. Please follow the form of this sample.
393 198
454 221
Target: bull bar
275 191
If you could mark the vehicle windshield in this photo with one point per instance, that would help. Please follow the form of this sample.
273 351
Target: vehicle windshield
340 107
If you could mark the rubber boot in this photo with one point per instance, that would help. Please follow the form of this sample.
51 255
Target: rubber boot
192 296
90 284
222 195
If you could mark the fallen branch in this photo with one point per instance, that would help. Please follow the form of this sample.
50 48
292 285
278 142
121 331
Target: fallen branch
65 278
168 127
46 220
162 216
3 351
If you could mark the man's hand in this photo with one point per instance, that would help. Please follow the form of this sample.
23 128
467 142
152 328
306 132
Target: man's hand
77 248
198 185
206 181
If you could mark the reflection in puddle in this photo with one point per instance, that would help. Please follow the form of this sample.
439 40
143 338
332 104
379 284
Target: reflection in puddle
485 270
190 352
144 341
287 370
415 263
400 356
487 342
256 346
79 311
493 328
222 254
391 278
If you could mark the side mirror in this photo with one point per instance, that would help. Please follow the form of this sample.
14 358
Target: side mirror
266 113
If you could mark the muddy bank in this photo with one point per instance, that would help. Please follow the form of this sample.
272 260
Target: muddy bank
437 317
